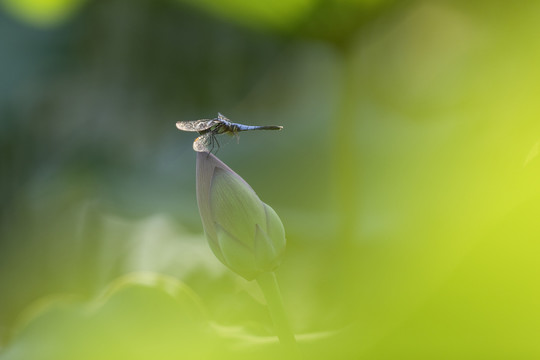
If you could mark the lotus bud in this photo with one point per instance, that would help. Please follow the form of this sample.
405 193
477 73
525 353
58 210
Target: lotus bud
244 233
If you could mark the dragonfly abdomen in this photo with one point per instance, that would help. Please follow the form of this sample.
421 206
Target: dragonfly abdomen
240 127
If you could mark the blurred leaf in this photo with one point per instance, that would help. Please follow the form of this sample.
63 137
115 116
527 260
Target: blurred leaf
42 12
337 22
279 14
140 316
330 20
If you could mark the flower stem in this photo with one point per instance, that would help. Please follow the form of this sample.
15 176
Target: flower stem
270 288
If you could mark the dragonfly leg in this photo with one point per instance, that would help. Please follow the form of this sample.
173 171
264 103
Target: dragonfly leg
217 143
213 143
210 147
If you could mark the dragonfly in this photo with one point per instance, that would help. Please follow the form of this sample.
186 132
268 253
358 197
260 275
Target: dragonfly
209 128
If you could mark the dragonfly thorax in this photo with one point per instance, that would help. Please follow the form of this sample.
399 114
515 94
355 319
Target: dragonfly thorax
224 128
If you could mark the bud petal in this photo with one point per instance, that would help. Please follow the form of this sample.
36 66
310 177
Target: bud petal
275 228
266 255
238 257
235 206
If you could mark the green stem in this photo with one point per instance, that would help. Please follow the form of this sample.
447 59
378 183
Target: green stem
270 288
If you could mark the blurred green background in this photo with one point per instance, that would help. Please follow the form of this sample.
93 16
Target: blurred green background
407 176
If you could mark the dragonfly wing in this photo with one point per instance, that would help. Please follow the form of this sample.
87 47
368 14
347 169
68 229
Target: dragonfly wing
203 143
197 125
221 117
